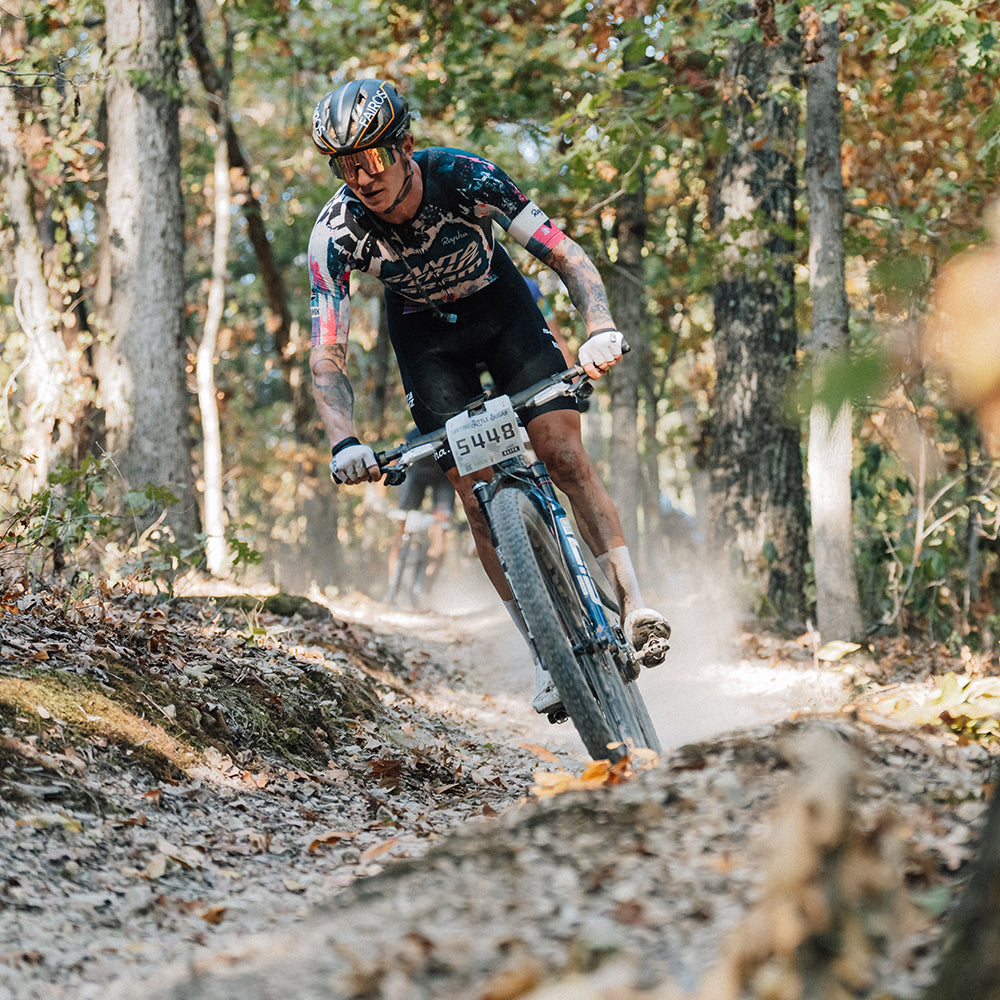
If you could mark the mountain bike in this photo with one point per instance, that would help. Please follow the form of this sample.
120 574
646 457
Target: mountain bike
592 664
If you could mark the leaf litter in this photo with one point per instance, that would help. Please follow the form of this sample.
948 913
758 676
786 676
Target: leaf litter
293 804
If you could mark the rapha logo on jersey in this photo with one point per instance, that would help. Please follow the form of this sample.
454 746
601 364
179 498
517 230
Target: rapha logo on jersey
527 222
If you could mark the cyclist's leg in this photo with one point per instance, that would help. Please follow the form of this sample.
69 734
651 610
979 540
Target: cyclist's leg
557 441
409 497
480 529
443 508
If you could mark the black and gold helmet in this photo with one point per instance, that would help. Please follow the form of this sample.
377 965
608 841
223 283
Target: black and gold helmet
360 115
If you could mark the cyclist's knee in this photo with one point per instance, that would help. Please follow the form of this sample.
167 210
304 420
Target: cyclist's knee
568 465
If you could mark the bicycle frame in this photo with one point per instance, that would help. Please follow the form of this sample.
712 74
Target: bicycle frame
590 659
535 481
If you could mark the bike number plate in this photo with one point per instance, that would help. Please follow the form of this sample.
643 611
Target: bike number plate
485 437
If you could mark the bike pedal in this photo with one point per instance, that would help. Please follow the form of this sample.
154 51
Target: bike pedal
559 715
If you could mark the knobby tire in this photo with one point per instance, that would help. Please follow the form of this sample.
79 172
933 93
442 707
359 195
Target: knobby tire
604 709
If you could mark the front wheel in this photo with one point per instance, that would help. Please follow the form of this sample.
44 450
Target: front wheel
606 711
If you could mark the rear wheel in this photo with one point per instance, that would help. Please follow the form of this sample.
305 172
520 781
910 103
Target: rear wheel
604 709
397 577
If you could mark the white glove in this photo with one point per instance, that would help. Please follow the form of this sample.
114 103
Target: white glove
600 352
351 461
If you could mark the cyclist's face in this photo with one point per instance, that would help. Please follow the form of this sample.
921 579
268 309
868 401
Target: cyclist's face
377 188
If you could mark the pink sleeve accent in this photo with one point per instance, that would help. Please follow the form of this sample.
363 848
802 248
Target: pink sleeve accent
331 309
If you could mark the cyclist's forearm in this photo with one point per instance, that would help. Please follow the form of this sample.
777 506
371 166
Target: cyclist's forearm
332 390
583 282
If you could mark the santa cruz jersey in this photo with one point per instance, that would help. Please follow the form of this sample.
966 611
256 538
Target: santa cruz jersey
443 254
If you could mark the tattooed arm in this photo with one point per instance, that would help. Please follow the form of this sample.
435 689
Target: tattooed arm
332 390
603 349
583 282
352 462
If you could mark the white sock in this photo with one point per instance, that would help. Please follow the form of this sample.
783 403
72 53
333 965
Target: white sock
616 565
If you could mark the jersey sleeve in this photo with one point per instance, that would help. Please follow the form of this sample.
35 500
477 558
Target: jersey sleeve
330 285
533 229
501 199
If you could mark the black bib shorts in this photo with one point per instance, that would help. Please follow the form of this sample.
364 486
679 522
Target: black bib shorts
500 329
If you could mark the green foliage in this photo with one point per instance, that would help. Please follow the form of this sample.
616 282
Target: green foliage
855 378
81 524
69 522
926 544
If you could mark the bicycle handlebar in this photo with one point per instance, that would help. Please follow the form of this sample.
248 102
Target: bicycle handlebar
573 381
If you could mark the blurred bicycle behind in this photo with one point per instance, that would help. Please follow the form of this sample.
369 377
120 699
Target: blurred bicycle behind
418 550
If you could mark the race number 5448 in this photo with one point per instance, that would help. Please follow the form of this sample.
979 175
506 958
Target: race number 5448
484 437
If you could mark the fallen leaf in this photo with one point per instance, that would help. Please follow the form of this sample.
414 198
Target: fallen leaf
377 850
46 821
214 914
836 649
156 868
540 752
329 838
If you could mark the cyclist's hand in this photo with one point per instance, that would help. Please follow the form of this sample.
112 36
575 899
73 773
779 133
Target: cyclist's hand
602 351
354 462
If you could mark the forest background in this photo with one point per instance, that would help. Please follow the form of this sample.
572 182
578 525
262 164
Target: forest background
770 190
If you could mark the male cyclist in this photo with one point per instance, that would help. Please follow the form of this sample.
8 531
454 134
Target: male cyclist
422 223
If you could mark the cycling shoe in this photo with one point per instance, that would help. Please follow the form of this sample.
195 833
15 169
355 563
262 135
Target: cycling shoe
647 631
546 700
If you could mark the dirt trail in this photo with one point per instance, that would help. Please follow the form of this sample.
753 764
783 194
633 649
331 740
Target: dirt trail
717 677
108 874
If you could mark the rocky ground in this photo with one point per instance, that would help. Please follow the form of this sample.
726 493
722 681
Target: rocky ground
332 798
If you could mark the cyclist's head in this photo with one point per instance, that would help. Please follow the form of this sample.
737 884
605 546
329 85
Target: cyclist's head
364 114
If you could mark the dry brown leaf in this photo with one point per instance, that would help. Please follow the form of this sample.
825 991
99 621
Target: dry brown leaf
329 838
214 914
508 984
540 752
377 850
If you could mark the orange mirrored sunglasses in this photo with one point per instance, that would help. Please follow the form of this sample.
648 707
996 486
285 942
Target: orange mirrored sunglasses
372 161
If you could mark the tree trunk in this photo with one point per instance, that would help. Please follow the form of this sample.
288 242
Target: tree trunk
838 606
626 291
757 502
141 368
46 368
970 966
215 526
270 270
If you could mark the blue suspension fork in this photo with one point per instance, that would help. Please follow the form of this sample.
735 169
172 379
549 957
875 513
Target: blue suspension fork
541 490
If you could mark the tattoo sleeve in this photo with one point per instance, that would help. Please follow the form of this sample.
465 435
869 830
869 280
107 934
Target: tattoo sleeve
583 282
332 389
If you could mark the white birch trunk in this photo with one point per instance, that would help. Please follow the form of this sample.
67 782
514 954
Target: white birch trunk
830 436
45 370
215 541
